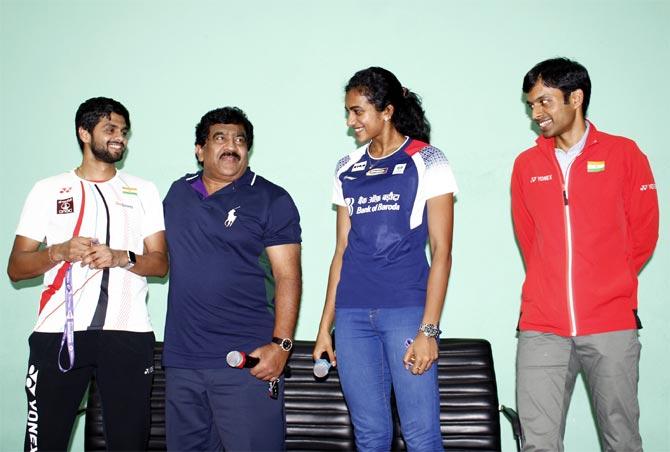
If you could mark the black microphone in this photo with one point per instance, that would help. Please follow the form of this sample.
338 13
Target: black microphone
241 360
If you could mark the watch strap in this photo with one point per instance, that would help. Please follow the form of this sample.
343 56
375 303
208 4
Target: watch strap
132 260
285 343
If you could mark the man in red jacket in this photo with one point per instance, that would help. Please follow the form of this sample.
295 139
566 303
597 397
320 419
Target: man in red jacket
585 213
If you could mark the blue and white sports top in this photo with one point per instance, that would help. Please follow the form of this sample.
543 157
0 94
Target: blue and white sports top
385 262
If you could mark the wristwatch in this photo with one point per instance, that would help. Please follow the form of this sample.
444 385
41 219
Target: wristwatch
430 330
132 260
286 344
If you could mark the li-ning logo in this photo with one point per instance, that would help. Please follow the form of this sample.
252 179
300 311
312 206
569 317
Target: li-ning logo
33 416
360 166
149 370
64 206
540 178
231 217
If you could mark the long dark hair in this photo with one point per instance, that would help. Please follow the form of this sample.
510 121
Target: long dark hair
382 89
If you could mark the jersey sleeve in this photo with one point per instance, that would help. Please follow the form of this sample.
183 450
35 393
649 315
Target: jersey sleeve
153 220
32 223
641 204
283 225
524 225
338 196
439 179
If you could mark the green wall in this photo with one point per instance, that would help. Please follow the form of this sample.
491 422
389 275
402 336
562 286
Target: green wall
285 63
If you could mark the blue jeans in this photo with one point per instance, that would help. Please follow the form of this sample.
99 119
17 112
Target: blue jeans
370 346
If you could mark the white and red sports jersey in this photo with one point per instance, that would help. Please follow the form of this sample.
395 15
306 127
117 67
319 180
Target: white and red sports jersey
120 212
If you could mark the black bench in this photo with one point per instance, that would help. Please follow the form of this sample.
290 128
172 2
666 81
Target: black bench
317 418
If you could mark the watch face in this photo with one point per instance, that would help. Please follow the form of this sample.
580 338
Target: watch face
286 344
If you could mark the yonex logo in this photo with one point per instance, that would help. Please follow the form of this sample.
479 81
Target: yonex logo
546 178
149 370
31 381
33 415
646 187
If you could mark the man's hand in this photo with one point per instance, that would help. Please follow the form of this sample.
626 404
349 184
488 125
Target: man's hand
27 260
72 250
272 362
102 256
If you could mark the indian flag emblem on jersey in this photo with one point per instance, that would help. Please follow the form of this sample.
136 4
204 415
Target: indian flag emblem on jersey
595 166
129 190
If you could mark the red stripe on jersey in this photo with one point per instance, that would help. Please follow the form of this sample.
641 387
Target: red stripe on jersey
414 147
60 276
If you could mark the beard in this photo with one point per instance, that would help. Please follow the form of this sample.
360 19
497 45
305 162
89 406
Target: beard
101 153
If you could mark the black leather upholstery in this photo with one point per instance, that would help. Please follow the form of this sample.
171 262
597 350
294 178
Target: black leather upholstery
316 415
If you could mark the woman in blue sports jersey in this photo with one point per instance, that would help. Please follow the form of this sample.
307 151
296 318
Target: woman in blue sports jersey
393 195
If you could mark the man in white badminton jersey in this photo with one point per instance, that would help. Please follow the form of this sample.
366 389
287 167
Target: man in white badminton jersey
95 233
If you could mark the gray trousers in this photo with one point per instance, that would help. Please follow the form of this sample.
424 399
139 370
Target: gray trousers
547 367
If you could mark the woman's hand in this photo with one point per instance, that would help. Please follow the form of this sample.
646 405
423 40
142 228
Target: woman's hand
324 344
421 354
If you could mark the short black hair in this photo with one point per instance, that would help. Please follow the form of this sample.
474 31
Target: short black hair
563 74
89 113
382 88
225 115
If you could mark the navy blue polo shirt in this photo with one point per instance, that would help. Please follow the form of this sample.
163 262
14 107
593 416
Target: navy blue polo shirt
221 295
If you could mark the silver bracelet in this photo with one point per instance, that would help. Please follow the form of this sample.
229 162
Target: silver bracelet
430 330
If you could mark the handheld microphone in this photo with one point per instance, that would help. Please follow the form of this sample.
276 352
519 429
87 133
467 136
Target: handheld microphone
321 367
241 360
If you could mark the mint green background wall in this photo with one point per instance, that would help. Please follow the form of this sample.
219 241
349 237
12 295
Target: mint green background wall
286 63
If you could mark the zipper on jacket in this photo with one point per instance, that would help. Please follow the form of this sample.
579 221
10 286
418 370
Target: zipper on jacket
568 244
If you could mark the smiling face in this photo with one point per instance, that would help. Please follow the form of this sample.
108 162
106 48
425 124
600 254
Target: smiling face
363 118
225 154
555 116
108 139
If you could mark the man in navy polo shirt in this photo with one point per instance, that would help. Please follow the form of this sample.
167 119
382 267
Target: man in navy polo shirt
235 283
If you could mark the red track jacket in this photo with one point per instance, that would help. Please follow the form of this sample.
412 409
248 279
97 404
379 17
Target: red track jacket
583 239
